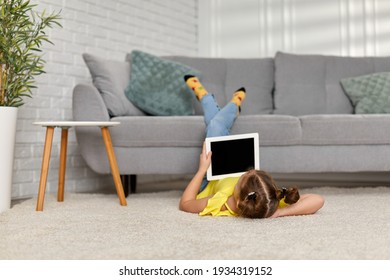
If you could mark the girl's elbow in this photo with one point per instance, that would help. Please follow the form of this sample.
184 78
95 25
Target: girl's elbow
186 207
182 207
319 202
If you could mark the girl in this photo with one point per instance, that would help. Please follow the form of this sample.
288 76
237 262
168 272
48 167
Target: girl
254 194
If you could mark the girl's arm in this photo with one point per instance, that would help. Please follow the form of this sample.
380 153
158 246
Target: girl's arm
188 202
306 205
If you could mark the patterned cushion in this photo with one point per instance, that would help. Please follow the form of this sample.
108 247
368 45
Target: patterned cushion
369 93
157 86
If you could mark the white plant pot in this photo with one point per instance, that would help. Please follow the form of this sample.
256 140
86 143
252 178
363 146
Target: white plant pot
8 116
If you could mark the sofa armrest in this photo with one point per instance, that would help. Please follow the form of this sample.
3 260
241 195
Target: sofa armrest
88 104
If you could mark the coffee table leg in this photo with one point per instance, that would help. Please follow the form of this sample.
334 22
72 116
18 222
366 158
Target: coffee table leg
114 166
45 167
61 172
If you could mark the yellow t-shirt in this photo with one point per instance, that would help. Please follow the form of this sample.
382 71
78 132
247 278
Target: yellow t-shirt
221 190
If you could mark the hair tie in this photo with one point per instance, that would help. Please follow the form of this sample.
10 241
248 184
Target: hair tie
284 191
251 196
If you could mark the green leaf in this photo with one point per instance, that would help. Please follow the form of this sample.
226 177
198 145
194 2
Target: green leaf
22 34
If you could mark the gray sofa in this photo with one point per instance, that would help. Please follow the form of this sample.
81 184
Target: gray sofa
296 103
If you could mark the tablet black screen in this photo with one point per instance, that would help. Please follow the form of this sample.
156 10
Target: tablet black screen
232 156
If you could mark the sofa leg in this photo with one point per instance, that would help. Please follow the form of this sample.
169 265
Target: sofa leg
129 183
133 183
125 184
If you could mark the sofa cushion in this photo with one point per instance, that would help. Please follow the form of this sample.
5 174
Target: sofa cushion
189 131
257 76
157 86
274 130
156 131
111 78
213 76
345 129
223 77
310 84
370 94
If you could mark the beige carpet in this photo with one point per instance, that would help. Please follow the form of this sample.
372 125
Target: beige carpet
354 224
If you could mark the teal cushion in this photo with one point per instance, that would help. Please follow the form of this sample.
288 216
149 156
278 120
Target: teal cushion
157 86
370 94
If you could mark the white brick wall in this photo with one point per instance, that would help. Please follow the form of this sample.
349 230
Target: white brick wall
108 28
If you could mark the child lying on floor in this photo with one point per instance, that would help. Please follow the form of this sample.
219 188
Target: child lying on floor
252 195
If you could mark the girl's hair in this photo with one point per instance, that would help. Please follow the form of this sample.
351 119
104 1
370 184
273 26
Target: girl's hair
259 196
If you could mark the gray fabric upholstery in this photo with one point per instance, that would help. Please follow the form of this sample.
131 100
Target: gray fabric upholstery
257 76
88 105
325 158
223 77
183 131
274 130
312 128
273 159
310 84
345 129
190 131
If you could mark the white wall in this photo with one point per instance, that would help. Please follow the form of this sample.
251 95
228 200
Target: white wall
259 28
108 28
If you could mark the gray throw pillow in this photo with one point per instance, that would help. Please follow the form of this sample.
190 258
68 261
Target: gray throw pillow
370 94
111 78
157 86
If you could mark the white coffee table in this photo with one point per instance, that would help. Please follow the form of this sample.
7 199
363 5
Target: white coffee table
65 125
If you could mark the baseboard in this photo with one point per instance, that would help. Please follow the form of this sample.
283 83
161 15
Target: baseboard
337 179
333 179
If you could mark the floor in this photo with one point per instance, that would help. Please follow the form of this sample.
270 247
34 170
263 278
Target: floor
142 187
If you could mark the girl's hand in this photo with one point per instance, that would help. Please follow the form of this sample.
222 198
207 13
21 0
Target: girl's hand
204 159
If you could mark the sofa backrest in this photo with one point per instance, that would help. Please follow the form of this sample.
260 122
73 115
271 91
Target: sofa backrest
310 84
289 84
223 77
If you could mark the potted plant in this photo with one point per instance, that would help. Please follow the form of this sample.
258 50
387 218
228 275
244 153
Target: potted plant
22 33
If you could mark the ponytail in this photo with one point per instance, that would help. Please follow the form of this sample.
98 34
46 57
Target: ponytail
290 195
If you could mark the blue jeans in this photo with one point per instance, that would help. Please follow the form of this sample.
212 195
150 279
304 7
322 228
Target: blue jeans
218 121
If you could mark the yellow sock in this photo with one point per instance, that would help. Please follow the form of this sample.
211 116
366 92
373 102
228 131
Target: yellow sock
194 84
239 96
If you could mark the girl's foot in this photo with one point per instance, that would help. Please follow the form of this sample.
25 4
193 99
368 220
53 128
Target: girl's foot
238 97
194 84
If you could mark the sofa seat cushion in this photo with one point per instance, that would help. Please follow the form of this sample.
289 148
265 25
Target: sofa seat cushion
189 131
274 130
345 129
158 131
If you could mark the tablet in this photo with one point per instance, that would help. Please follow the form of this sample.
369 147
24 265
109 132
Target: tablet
232 155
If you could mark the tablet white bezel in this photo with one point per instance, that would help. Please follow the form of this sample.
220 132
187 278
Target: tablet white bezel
209 140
